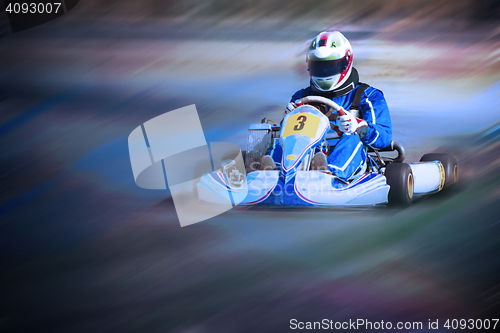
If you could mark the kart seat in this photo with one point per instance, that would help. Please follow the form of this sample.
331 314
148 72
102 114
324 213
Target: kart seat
393 146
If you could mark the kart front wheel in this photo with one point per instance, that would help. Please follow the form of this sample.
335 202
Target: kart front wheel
400 179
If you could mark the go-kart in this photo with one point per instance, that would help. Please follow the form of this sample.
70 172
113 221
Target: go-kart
294 182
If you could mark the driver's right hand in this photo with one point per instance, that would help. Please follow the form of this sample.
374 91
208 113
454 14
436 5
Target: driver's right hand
289 108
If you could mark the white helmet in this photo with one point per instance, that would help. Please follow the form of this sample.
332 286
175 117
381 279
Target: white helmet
329 60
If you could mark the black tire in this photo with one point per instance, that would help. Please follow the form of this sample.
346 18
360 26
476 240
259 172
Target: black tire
400 178
449 164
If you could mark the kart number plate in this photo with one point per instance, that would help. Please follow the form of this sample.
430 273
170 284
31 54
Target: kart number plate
302 123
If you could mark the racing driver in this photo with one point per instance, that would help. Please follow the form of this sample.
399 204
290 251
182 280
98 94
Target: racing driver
332 75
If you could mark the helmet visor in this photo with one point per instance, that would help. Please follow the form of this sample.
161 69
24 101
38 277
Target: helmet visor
326 68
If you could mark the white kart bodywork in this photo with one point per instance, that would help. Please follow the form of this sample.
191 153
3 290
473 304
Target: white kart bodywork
293 184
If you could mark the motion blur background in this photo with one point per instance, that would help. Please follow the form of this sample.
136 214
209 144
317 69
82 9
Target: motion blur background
84 249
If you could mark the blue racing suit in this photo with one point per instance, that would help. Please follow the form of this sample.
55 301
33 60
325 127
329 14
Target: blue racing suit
348 155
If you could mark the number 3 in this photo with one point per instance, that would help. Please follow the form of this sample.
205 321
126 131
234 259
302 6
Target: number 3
300 125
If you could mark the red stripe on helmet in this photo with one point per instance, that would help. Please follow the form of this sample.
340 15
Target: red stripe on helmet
323 39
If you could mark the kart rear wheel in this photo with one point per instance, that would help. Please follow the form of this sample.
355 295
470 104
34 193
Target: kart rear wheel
400 178
449 164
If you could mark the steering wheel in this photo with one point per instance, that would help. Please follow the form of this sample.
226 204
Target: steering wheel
322 100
